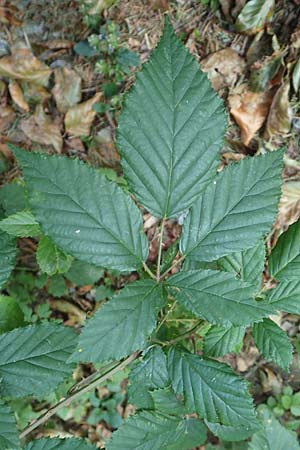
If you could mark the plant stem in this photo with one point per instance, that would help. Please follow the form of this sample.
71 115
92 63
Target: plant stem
160 248
173 266
166 316
149 272
91 378
66 401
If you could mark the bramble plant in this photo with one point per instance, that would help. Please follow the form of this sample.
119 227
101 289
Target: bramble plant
169 136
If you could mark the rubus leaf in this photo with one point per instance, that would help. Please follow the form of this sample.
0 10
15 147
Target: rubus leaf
211 389
11 315
248 264
51 259
33 359
166 401
254 16
153 431
21 224
122 325
83 213
285 297
273 343
284 261
234 211
173 96
218 297
82 273
9 437
13 198
219 341
152 370
59 444
230 433
8 253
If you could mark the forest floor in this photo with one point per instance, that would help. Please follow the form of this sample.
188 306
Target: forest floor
48 67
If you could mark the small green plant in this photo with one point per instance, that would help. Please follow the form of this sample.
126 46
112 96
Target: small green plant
208 288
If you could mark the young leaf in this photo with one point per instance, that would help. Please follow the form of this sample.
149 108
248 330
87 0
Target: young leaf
20 224
33 359
154 431
9 437
254 16
152 371
248 264
218 297
51 259
170 130
211 389
82 212
59 444
122 325
285 297
234 211
284 261
221 340
8 252
273 343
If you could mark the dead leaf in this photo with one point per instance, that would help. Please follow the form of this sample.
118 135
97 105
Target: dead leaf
8 16
75 314
67 89
250 110
97 6
280 115
17 95
79 118
289 205
41 129
103 151
7 116
223 67
36 93
56 44
23 65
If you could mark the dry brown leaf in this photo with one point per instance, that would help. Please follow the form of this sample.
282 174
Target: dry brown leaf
23 65
250 110
7 116
79 118
58 43
281 114
223 67
17 95
67 89
41 129
75 314
97 6
36 93
8 15
289 205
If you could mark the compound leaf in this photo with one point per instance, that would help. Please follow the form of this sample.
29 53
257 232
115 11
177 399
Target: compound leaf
83 213
153 431
8 253
59 444
211 389
9 437
170 130
284 261
219 341
51 259
273 343
122 325
234 211
20 224
285 297
33 359
218 297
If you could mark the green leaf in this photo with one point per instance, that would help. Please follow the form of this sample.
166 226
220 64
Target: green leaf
8 253
139 396
218 297
82 273
234 211
231 433
248 264
273 436
59 444
285 297
122 325
165 401
84 214
284 261
273 343
33 359
9 437
211 389
13 198
20 224
153 431
170 130
11 315
221 340
51 259
152 370
254 16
